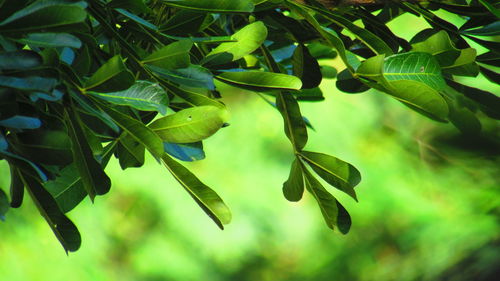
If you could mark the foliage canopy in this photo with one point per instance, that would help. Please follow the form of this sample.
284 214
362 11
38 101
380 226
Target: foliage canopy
81 81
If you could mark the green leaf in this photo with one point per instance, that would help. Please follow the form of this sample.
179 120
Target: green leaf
334 171
343 219
172 56
67 189
206 198
16 188
464 65
326 202
138 131
490 6
293 188
136 6
43 14
137 19
248 39
260 81
111 77
214 6
193 76
92 110
64 229
4 205
191 124
306 67
193 96
492 29
130 152
51 40
377 45
294 125
94 179
50 147
143 95
21 59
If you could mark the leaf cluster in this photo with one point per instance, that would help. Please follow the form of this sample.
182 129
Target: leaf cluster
83 81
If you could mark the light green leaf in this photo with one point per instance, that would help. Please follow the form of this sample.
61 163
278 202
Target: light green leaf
248 39
293 188
143 95
215 6
172 56
260 81
48 40
206 198
191 124
334 171
111 77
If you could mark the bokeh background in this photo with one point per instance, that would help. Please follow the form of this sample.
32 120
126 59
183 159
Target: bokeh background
428 204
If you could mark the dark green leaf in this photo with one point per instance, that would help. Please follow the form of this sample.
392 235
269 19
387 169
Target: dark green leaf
64 229
206 198
216 6
343 219
130 152
306 67
137 19
30 83
50 147
94 179
48 40
293 188
191 124
16 188
294 125
22 59
4 205
334 171
492 29
111 77
67 189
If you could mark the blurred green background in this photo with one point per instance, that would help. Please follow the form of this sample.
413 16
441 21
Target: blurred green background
428 206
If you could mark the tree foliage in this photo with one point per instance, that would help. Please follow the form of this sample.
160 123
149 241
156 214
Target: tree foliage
82 81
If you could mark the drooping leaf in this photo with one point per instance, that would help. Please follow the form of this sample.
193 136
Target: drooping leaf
326 202
260 81
67 189
206 198
343 219
294 125
306 67
64 229
111 77
293 188
216 6
4 205
16 188
185 151
130 152
191 124
94 179
248 39
334 171
143 95
172 56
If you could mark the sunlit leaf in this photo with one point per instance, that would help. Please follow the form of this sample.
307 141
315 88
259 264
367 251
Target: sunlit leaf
260 81
111 77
